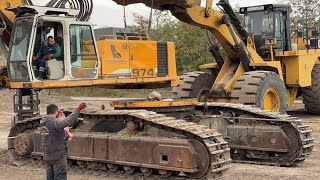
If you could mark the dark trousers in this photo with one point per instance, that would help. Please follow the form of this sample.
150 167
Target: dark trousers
57 170
39 67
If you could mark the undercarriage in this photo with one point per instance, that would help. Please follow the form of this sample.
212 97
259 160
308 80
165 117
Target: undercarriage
255 136
176 139
135 141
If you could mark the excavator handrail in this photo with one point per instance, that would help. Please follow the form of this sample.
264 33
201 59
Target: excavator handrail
102 37
140 37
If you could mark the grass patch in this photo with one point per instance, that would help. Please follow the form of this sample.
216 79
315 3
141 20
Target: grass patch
111 93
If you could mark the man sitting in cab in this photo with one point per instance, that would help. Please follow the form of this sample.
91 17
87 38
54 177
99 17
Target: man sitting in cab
48 50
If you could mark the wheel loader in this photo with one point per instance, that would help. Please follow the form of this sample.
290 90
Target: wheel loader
266 65
171 139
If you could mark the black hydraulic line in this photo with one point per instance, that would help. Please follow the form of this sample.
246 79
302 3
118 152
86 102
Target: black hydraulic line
239 46
214 50
85 7
29 2
234 19
90 10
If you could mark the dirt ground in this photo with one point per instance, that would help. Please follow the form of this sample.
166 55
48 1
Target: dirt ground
310 169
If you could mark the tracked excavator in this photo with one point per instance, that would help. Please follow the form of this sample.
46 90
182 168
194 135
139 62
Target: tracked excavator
178 139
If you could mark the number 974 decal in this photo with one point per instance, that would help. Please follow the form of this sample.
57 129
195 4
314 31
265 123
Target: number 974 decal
143 72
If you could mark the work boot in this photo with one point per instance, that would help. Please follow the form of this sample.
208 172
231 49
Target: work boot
41 75
40 78
35 71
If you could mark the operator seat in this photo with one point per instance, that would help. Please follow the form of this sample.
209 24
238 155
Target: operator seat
55 67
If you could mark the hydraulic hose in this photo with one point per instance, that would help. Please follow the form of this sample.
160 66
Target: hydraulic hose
85 7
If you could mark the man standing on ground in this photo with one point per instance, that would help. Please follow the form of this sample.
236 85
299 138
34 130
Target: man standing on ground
54 141
48 50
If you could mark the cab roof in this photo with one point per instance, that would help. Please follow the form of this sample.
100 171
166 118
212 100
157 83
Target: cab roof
42 10
265 7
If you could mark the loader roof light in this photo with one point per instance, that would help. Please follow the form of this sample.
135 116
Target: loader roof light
244 10
255 8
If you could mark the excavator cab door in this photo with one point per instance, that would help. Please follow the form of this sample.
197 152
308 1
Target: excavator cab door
78 59
84 62
19 55
54 67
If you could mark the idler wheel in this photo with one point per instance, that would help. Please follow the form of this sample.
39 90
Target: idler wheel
202 161
23 144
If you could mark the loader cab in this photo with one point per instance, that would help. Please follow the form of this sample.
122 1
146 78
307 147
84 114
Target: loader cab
78 59
267 22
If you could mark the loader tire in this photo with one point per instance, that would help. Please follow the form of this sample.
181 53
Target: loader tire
194 85
311 94
263 89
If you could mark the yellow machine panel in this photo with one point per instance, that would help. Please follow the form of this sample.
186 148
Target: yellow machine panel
114 57
143 58
298 65
136 59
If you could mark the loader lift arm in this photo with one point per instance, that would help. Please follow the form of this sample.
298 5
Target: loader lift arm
225 27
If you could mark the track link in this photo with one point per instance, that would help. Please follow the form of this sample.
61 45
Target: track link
302 132
216 146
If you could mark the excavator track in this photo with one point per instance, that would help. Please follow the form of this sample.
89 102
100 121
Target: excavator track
24 141
255 136
298 134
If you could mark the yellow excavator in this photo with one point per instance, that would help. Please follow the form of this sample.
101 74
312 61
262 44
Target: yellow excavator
179 138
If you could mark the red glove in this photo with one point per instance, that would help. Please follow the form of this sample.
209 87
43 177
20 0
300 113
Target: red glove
35 57
49 56
82 106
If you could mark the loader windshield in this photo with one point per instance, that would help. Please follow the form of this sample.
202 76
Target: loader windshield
260 23
19 49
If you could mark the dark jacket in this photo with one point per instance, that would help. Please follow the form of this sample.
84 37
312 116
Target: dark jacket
54 140
46 49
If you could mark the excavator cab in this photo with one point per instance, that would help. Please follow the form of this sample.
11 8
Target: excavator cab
33 26
267 23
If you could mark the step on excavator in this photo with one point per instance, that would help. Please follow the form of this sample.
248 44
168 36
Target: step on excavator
177 139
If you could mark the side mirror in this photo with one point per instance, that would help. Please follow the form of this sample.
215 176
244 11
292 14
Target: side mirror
40 22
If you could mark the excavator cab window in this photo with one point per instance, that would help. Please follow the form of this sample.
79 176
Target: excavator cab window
19 48
83 53
55 66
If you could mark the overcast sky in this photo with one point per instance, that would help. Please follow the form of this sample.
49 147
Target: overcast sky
108 13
